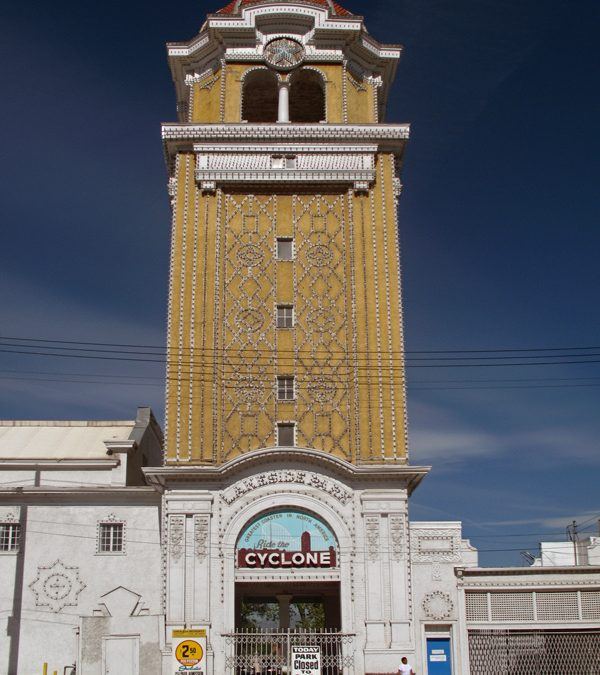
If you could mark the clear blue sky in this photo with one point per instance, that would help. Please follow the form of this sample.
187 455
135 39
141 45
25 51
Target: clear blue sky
499 226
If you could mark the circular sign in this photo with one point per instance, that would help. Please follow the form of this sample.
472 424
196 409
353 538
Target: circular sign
189 653
283 53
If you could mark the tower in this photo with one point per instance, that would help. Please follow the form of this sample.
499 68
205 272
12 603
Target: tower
285 397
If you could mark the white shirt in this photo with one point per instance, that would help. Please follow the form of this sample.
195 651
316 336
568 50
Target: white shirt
405 668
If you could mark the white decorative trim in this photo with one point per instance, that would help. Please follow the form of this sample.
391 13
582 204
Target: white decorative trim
291 132
57 586
281 476
9 517
111 519
435 545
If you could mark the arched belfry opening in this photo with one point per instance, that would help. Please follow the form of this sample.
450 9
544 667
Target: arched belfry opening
307 96
260 97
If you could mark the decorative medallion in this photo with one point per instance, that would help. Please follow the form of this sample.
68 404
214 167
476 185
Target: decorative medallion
248 388
319 255
322 391
57 586
438 605
283 53
249 255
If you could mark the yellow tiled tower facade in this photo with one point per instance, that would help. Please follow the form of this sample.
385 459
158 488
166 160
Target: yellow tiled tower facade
284 319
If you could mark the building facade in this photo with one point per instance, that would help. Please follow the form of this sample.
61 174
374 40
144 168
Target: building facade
274 514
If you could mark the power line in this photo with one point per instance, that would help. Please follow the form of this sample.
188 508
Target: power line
220 383
421 351
383 365
411 384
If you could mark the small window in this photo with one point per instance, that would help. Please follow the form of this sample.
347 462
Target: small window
285 248
111 538
10 534
285 316
285 388
285 434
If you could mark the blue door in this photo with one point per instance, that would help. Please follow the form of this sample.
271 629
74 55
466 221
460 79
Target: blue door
439 661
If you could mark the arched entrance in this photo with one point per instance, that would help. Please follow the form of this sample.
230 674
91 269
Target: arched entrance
287 573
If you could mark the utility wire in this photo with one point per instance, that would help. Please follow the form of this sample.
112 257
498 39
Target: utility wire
383 365
422 351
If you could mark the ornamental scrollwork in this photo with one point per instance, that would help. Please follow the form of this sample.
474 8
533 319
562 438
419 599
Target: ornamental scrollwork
201 529
372 537
176 536
396 536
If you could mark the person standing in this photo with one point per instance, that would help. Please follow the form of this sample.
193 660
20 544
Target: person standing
405 668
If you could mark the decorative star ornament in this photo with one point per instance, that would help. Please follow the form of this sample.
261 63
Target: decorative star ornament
284 53
57 586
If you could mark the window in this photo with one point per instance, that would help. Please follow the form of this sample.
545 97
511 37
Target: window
111 538
285 388
285 434
285 248
10 533
285 316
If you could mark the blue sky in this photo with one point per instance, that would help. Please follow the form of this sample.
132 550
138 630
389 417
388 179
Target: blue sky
498 224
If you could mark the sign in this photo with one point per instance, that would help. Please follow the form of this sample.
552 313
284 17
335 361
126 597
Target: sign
286 558
189 651
306 660
286 538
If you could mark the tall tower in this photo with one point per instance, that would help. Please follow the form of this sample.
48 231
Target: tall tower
285 249
285 399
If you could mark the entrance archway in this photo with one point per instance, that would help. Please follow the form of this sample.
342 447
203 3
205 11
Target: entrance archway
292 557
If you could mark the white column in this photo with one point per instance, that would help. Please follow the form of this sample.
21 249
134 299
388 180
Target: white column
283 110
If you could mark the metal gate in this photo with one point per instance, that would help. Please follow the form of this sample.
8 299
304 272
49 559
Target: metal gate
269 652
513 652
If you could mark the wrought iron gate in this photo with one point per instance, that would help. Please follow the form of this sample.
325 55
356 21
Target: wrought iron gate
270 652
513 652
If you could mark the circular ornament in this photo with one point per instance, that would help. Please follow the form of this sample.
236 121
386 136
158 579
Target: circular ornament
249 255
57 586
319 255
438 605
323 391
284 53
